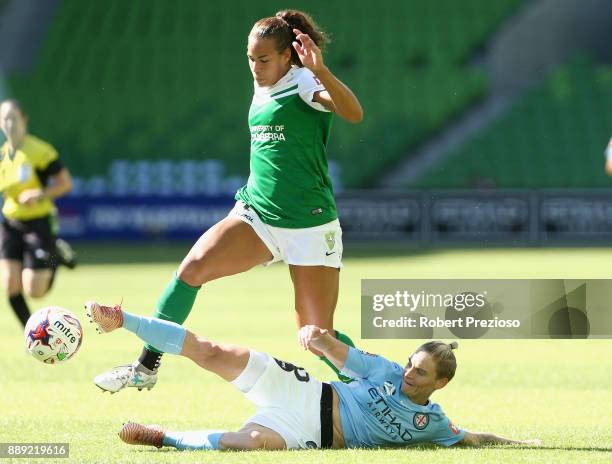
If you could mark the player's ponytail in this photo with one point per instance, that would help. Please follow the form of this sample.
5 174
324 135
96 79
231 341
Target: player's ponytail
446 363
280 29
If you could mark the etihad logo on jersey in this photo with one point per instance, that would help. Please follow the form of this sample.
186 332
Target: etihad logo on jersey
390 423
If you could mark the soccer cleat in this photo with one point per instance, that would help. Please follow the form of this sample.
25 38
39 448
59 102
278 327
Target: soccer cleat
138 434
65 253
106 318
125 376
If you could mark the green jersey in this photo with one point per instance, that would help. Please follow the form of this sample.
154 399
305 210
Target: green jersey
289 184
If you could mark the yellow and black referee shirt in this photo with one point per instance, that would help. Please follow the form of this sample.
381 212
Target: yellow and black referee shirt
29 167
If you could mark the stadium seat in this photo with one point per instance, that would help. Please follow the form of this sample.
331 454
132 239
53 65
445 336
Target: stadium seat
550 138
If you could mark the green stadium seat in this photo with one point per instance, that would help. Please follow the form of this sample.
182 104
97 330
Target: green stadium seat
554 137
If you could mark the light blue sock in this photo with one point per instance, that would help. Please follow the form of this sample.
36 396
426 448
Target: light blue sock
166 336
194 440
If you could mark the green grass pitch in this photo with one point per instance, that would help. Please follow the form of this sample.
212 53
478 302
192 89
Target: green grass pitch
558 391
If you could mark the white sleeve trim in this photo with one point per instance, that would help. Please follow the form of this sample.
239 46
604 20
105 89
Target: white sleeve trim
308 84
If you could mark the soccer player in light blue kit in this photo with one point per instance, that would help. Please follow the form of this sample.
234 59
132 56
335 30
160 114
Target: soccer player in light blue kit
386 405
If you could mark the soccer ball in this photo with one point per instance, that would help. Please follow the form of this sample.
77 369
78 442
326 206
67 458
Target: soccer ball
53 335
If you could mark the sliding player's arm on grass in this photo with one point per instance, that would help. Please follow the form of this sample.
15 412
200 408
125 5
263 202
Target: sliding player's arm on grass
484 439
350 361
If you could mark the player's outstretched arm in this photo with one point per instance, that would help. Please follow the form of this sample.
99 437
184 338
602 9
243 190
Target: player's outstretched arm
311 336
484 439
337 97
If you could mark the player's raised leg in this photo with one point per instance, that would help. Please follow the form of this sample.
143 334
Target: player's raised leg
235 364
225 360
229 247
316 296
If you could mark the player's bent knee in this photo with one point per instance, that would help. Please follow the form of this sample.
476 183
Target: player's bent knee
207 349
256 440
194 272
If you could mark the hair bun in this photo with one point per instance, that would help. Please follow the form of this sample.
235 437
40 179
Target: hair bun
453 345
297 19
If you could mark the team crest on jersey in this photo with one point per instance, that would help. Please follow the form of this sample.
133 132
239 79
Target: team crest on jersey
330 239
420 420
389 388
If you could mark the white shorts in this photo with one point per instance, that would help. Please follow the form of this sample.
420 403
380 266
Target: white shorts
311 246
287 400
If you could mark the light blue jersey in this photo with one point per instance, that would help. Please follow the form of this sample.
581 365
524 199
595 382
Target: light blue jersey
374 412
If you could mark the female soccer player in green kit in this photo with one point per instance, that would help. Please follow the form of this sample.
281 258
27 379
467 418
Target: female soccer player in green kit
287 210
